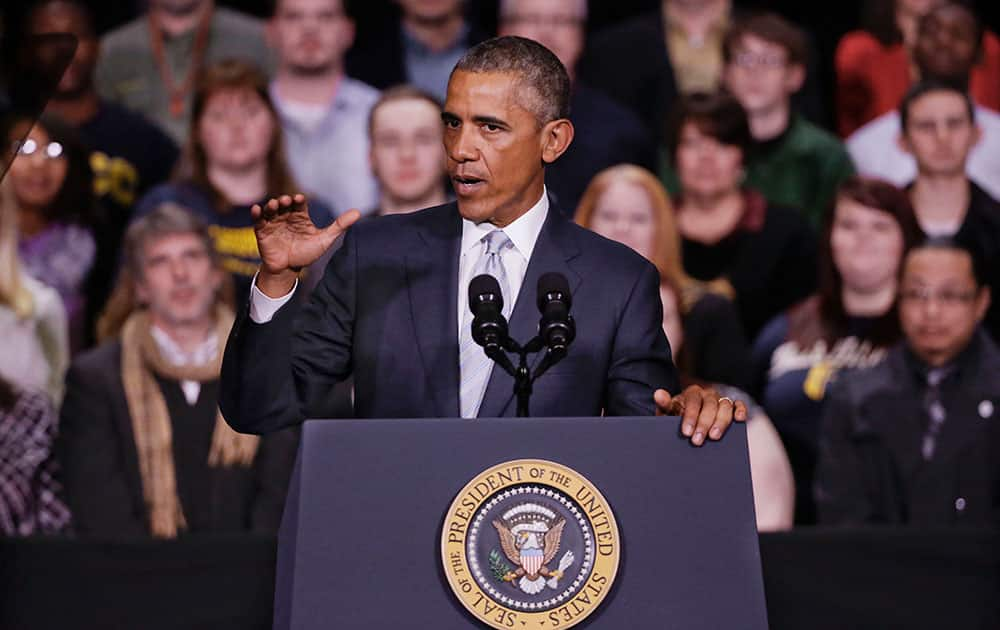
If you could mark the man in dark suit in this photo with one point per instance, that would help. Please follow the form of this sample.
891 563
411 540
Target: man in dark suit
391 307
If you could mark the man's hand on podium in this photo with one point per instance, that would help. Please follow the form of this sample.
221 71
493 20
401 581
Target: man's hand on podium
703 412
288 240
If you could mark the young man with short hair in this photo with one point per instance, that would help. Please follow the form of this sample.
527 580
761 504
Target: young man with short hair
794 162
939 130
323 112
946 50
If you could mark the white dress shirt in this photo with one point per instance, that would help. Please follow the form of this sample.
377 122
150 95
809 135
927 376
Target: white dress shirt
523 233
177 356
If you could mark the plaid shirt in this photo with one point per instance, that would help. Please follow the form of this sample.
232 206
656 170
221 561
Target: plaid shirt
29 501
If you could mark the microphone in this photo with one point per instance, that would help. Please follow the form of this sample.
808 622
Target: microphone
489 326
556 328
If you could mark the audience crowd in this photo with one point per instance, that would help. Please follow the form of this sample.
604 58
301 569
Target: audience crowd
839 280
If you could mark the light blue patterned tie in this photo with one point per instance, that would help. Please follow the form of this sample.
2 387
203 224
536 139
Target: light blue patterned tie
475 367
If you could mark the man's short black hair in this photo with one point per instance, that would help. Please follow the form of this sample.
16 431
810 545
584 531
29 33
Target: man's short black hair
959 243
927 86
537 66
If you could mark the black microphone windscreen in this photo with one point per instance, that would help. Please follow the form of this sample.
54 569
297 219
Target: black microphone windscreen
484 284
553 282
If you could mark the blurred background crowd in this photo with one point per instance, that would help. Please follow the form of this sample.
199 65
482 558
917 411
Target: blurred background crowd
818 191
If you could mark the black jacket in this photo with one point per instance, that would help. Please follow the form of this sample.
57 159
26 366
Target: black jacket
870 465
100 465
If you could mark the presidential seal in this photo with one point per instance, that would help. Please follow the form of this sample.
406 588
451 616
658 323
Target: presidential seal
530 544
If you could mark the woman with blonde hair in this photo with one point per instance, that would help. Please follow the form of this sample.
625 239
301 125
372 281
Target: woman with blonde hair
32 318
627 203
33 330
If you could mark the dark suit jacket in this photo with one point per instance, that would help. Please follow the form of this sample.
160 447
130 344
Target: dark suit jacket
96 449
870 467
386 311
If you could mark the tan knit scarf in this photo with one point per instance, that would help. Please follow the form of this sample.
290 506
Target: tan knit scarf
141 361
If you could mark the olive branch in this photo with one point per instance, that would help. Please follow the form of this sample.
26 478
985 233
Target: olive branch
498 566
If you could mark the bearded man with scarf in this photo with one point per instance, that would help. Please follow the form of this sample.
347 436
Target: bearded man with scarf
145 451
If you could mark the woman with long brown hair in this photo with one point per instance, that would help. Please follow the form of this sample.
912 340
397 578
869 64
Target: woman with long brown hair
627 203
849 323
234 158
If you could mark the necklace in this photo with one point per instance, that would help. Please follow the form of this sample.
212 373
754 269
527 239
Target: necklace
178 91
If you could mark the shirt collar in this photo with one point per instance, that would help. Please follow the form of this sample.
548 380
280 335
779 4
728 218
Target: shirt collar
175 355
523 232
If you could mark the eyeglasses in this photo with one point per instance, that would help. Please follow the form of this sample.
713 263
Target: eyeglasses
944 297
746 59
49 151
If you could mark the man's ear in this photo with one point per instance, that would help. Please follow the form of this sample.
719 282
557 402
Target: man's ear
350 32
903 143
977 134
795 77
557 135
983 302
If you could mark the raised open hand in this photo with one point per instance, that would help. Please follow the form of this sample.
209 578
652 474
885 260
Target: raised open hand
288 240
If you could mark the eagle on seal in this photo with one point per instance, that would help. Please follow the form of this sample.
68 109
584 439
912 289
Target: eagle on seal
531 544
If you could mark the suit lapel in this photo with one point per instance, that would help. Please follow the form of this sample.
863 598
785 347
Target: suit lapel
554 249
432 279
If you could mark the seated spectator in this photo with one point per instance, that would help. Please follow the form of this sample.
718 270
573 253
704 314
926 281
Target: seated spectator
52 187
407 150
323 113
730 232
144 448
794 162
647 61
32 318
874 66
150 65
773 483
233 160
945 51
606 133
627 204
913 441
420 46
939 130
128 154
30 497
848 324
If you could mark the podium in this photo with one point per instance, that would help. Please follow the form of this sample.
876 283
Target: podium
364 541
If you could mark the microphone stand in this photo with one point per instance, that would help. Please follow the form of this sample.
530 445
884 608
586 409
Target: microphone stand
523 377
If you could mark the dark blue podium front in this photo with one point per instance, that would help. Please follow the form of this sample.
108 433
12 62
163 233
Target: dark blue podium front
360 542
